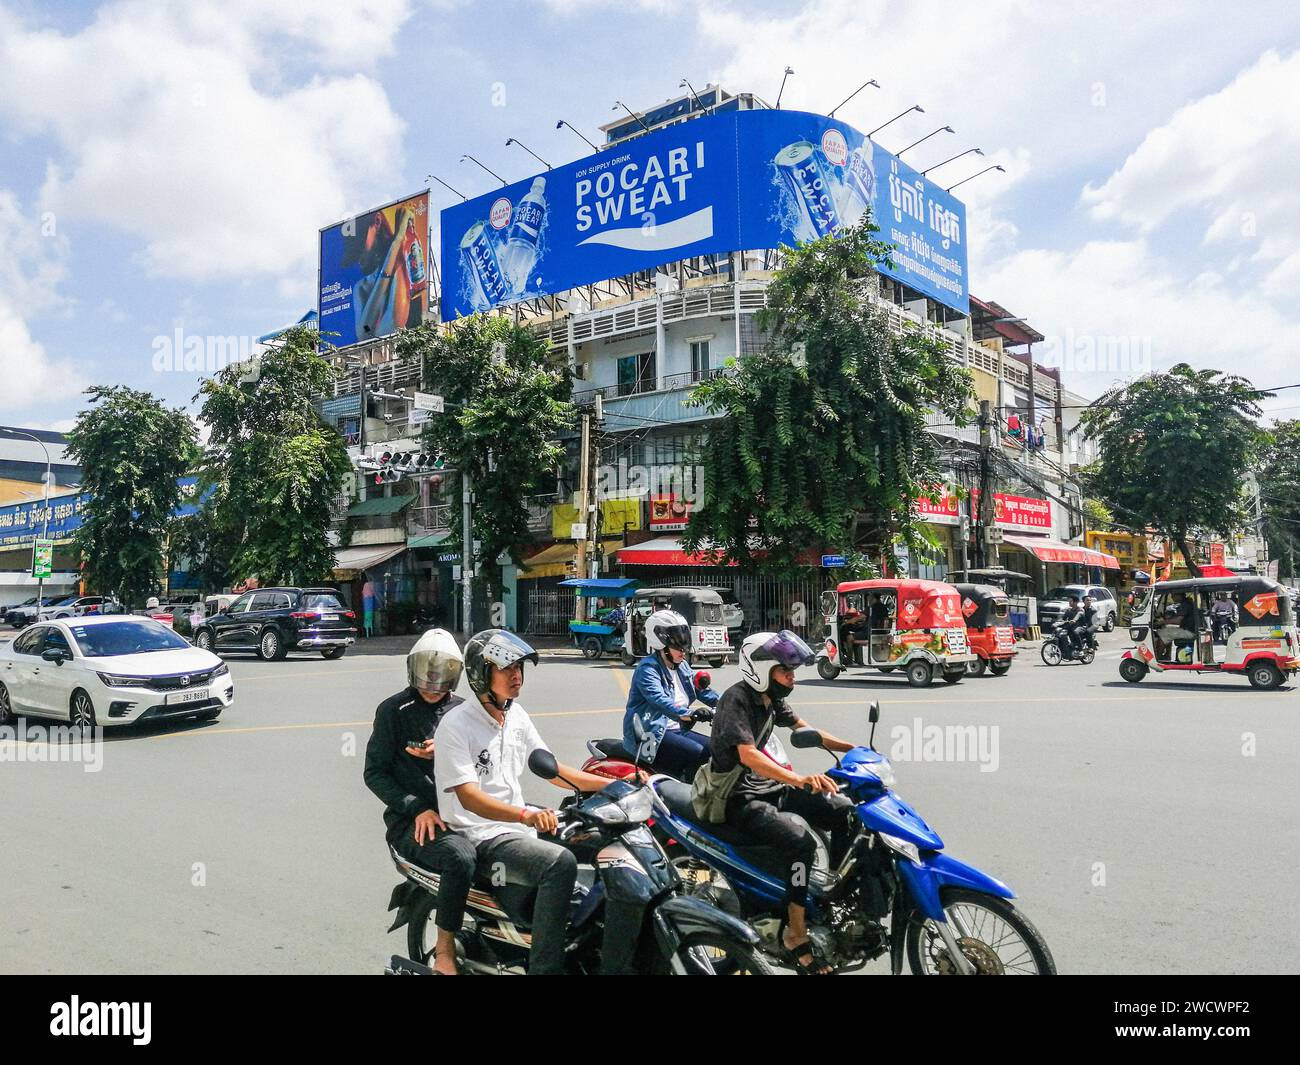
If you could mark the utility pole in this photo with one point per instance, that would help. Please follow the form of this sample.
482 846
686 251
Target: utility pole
467 553
986 552
584 510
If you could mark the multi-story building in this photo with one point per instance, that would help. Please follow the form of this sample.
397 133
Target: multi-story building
25 455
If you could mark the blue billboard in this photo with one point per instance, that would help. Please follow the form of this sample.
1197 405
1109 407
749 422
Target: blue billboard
727 182
22 523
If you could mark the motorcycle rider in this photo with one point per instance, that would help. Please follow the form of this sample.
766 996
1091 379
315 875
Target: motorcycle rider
660 699
766 794
1088 625
1071 617
1223 617
400 770
484 745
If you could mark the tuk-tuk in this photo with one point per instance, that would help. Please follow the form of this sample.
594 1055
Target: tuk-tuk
895 623
701 607
1240 624
987 610
602 633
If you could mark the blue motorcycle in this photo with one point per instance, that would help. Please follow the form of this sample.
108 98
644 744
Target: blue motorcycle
894 891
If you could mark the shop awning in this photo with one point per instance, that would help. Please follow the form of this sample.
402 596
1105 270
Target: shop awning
551 561
379 505
666 551
1046 550
430 540
350 561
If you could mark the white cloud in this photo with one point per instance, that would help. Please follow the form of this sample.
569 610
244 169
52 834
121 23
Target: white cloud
1223 164
188 137
32 263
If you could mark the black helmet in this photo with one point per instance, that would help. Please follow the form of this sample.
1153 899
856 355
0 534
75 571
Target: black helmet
493 647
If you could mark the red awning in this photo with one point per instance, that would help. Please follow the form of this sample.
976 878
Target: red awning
1054 551
665 551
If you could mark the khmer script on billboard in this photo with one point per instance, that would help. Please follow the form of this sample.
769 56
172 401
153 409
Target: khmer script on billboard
374 272
748 179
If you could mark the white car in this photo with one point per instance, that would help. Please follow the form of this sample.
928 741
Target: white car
111 670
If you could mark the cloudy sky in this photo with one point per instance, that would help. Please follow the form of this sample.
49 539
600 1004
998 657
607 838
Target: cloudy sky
166 166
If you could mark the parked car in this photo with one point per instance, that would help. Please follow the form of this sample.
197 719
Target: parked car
733 614
1052 605
12 613
24 615
271 622
82 606
110 670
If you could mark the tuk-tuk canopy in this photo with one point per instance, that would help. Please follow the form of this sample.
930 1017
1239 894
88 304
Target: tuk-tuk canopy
922 604
976 599
696 605
603 587
1262 601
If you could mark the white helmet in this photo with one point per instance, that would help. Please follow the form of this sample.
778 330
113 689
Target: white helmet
760 652
667 628
434 665
151 603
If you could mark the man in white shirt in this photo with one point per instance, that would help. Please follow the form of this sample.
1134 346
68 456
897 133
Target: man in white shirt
483 749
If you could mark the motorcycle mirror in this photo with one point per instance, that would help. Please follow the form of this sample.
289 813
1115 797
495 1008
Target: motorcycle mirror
805 738
874 714
543 764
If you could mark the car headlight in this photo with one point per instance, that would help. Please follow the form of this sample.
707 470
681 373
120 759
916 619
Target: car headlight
117 680
904 847
221 670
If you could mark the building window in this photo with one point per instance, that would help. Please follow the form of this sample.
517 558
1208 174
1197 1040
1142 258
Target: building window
636 373
699 359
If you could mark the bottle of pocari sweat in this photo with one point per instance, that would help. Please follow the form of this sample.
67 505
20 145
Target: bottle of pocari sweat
519 256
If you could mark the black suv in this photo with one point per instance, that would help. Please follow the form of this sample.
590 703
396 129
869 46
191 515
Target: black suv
274 621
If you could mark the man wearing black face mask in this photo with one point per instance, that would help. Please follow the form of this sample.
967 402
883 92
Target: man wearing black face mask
765 793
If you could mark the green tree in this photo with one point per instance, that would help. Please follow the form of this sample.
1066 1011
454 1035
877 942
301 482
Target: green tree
822 442
1279 487
273 465
1174 447
206 547
131 449
1097 515
508 401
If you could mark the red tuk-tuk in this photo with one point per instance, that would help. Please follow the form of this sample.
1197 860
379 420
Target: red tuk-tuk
895 623
987 610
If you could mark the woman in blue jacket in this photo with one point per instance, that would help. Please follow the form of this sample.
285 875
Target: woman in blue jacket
659 703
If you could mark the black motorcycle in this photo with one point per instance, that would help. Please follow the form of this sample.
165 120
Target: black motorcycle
1058 647
630 914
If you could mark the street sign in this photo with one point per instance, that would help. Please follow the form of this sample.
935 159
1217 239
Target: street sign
833 561
417 417
578 530
428 401
42 559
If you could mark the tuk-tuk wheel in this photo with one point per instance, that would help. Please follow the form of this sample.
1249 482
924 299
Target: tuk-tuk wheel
919 674
826 669
626 658
953 676
591 647
887 669
1265 675
999 669
1132 670
977 668
718 663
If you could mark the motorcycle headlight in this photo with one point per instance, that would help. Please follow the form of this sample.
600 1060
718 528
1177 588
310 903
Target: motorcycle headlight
882 771
904 847
632 809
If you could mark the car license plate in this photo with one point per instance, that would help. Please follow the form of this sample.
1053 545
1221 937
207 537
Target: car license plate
329 617
195 696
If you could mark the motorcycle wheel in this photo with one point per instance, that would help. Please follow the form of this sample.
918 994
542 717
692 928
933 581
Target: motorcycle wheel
1051 653
1087 655
706 954
977 668
999 939
826 669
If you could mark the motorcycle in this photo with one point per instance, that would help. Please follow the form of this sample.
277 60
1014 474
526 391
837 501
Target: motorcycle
1057 648
630 912
893 893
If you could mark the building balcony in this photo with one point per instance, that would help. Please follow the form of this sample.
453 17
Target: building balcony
631 406
421 521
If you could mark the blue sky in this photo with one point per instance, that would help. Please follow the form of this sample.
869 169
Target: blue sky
167 166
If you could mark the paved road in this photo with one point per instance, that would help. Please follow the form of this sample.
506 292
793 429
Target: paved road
1146 828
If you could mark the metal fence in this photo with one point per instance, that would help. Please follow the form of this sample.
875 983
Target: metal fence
548 611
